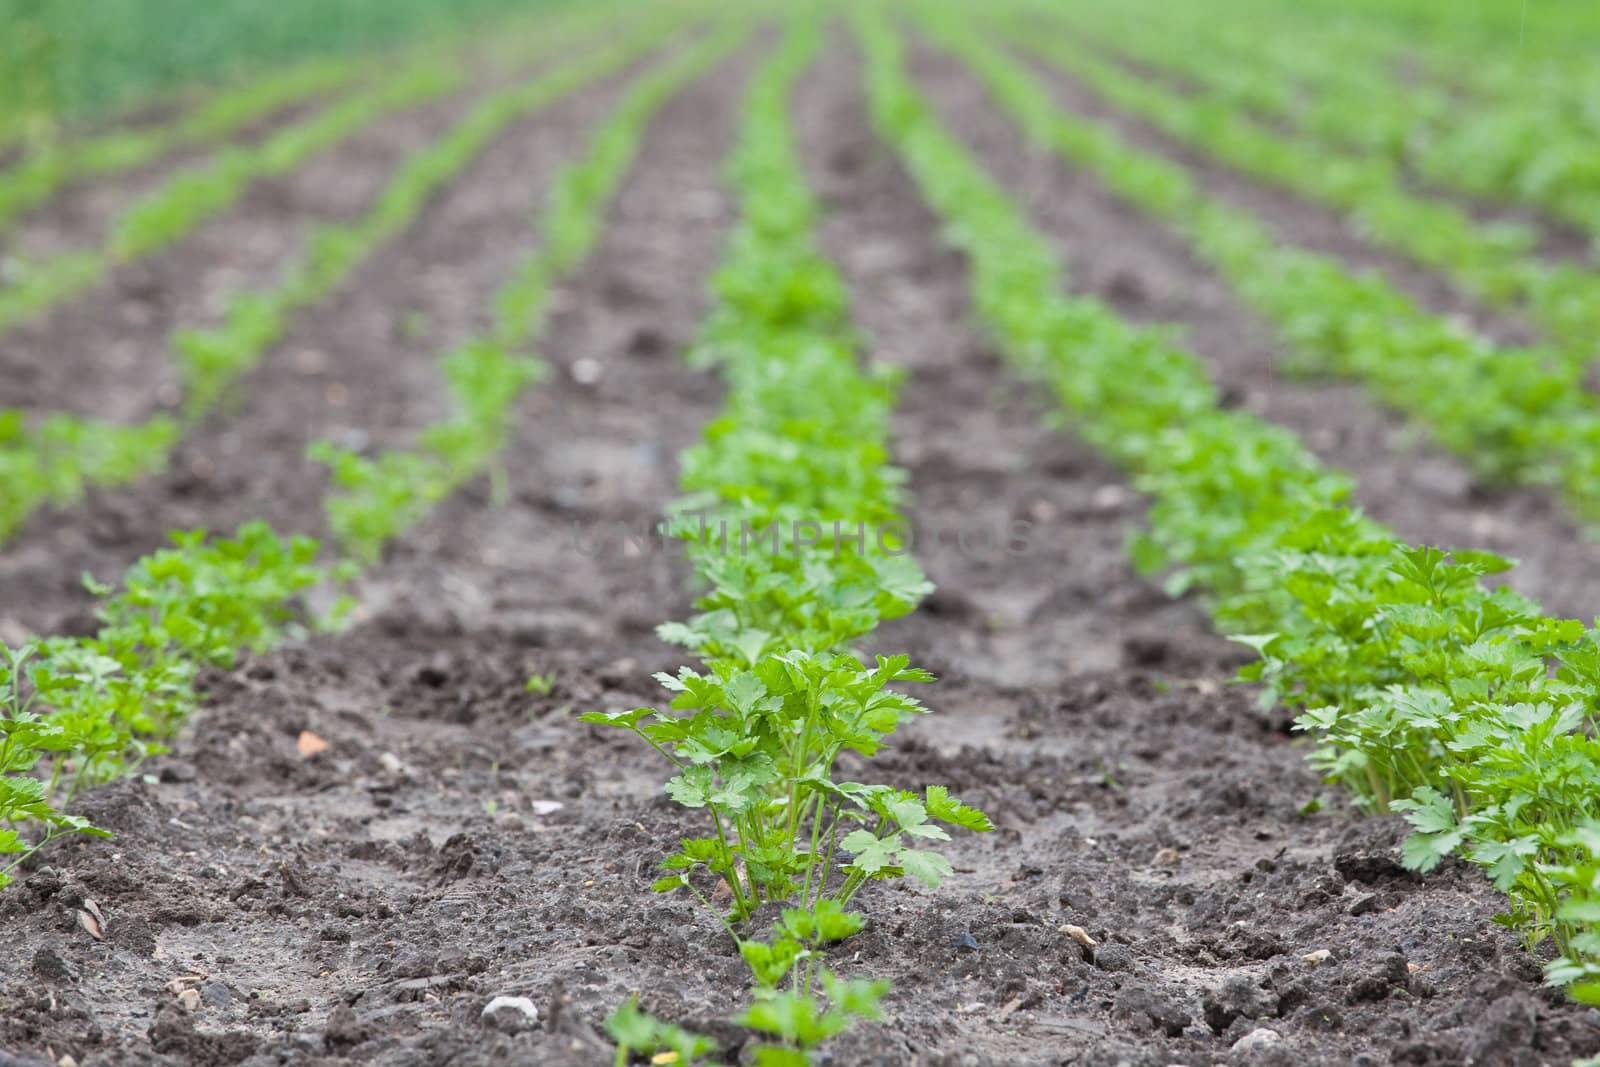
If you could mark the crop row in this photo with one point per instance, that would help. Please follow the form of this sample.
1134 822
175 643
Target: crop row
1427 693
782 505
61 458
379 497
34 179
1517 414
1499 265
201 192
1481 125
77 711
195 194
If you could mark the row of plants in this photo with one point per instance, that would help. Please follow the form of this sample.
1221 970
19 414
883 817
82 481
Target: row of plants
1500 265
783 503
196 194
1427 692
212 359
201 192
376 498
56 459
32 180
1517 415
75 712
79 711
1481 124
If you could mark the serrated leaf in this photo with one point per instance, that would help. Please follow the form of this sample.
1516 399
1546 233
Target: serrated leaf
929 868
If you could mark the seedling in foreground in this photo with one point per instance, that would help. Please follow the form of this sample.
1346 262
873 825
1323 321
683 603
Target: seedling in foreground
757 752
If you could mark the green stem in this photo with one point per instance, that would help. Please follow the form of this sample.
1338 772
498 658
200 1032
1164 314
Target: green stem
732 875
816 843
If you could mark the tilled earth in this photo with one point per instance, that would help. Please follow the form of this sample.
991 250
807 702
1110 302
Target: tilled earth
461 837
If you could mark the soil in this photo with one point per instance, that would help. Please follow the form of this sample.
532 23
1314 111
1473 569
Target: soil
462 837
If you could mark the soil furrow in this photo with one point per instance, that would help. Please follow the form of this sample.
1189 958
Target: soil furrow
1137 795
109 353
1147 272
461 837
360 369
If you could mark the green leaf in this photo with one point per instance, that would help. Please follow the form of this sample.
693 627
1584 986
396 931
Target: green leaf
626 720
942 806
929 868
871 852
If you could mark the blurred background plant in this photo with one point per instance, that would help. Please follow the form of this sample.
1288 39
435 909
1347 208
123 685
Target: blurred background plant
67 60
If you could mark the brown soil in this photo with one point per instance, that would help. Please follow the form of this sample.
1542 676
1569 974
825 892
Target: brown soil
463 838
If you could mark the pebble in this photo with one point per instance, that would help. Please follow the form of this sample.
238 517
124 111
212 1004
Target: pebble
966 943
1317 958
587 371
1109 498
1257 1039
1364 904
510 1015
189 1000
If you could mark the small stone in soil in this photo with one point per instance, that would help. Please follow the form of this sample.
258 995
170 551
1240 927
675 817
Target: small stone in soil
1362 905
965 942
1257 1039
510 1015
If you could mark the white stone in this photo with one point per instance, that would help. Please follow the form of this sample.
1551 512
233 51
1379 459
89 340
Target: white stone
510 1014
1258 1038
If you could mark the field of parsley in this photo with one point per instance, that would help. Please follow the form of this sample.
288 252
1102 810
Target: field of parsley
799 533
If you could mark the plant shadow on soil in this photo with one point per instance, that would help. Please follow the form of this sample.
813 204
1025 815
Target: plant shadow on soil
462 838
